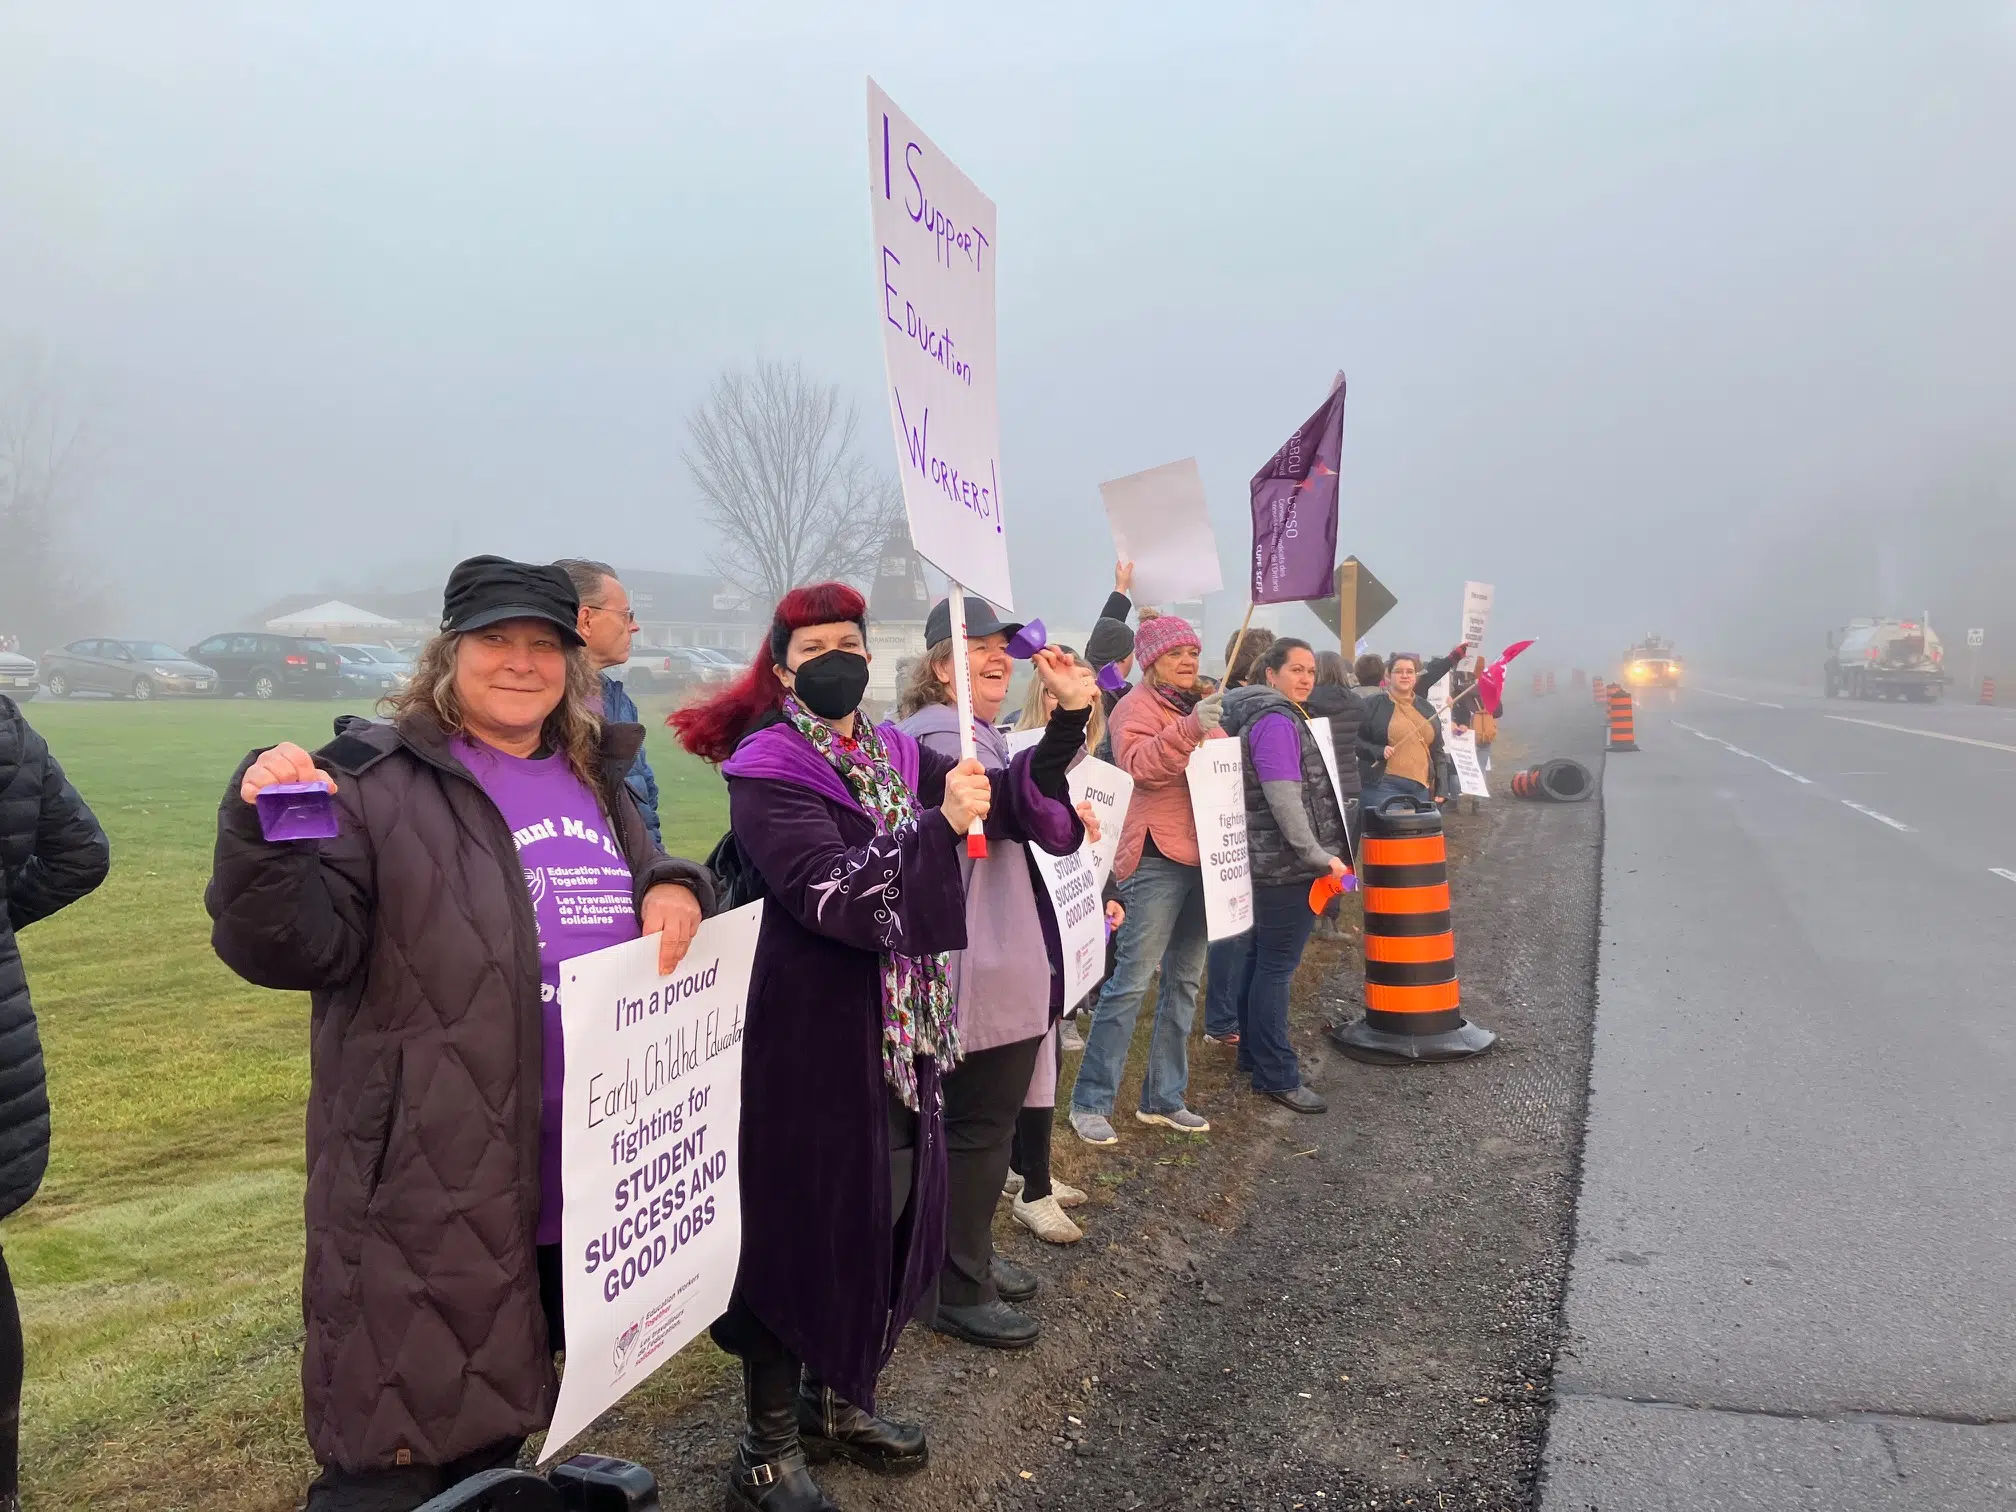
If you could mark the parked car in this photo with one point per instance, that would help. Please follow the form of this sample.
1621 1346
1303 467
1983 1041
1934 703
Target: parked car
365 678
269 666
128 668
383 657
17 676
661 669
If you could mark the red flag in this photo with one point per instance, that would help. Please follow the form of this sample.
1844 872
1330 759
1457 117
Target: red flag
1491 681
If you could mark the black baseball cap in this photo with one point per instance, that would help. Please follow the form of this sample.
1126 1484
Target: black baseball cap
488 590
981 621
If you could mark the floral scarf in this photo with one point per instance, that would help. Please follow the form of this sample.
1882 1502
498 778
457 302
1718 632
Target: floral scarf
919 1014
1182 700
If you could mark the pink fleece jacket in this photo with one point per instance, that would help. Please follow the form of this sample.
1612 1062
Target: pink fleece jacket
1152 744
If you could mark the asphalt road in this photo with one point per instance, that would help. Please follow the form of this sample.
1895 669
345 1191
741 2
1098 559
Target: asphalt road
1794 1279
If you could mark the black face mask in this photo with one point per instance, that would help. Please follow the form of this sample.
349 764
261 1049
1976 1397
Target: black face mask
831 685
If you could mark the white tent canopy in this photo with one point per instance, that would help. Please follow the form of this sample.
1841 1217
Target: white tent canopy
333 614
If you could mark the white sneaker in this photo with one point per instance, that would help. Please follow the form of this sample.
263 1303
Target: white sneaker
1046 1220
1012 1187
1071 1039
1066 1194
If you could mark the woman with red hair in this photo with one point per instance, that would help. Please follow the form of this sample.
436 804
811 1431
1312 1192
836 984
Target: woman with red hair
851 834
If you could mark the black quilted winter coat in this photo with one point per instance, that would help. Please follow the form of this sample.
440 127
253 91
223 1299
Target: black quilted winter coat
414 935
52 853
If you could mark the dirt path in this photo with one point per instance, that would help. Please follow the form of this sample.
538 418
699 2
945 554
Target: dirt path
1357 1310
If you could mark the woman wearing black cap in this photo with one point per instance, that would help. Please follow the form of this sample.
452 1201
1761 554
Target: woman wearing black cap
471 860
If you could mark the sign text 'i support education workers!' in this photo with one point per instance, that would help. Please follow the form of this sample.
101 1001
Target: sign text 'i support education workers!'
650 1166
934 255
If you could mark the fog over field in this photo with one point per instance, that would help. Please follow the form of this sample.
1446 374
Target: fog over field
1688 319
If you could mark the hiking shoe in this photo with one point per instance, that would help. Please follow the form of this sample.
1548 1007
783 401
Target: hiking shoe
1231 1039
1071 1039
1093 1128
1182 1119
1066 1194
1046 1220
1301 1099
1012 1187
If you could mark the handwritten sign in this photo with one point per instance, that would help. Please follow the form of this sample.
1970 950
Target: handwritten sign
652 1228
1462 748
1218 802
1476 614
934 261
1162 525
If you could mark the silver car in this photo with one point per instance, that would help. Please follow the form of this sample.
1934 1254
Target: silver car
17 676
126 668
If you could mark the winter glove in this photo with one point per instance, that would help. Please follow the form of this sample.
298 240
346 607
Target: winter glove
1211 712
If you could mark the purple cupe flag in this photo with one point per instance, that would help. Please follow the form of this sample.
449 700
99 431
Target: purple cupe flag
1295 511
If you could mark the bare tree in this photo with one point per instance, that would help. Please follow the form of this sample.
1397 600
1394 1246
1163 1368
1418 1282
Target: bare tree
790 499
45 445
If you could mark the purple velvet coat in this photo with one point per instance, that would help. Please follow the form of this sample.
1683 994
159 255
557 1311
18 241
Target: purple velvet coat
818 1265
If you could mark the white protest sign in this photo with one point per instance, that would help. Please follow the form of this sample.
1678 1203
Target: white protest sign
651 1231
1218 802
1476 614
1076 881
934 241
1462 746
1161 524
1326 747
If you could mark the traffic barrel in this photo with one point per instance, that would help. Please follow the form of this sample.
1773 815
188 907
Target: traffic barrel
1575 678
1413 1003
1987 690
1550 680
1557 781
1602 696
1623 729
585 1483
1539 685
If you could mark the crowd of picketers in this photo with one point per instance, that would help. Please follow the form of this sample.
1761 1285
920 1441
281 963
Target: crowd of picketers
905 1026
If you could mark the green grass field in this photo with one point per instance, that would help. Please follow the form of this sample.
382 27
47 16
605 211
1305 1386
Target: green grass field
159 1269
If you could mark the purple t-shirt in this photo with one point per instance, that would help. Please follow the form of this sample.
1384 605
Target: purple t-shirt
581 889
1277 748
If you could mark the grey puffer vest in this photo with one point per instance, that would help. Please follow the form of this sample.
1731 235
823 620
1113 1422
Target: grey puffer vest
1274 862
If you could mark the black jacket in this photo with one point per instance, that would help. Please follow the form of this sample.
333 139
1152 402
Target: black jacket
52 852
1346 712
1378 725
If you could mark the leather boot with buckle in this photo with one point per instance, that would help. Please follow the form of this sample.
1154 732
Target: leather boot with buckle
831 1427
768 1473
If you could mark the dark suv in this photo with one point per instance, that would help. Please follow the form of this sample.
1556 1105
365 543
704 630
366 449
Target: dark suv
271 666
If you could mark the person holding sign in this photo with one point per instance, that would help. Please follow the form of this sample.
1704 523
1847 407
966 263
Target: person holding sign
1400 743
1295 834
852 834
1154 730
1009 993
484 836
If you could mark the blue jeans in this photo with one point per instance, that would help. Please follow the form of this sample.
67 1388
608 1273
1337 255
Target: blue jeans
1281 926
1224 975
1165 924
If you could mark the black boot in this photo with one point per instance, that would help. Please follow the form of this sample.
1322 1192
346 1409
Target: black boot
768 1473
831 1427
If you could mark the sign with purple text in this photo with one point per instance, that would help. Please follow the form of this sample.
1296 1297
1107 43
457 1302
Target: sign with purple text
1295 511
934 277
651 1116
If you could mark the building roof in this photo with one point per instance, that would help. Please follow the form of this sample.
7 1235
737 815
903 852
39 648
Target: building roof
330 612
694 598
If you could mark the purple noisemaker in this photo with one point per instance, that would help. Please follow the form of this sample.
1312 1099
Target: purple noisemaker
297 811
1112 679
1027 641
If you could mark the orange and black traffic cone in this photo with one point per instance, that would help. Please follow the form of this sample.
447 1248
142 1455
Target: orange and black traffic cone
1413 1004
1602 693
1550 681
1623 729
1987 690
1526 784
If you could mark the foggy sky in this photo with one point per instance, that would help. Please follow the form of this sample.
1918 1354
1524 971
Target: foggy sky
1632 299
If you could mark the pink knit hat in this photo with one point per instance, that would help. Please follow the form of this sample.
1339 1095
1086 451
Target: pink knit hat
1161 635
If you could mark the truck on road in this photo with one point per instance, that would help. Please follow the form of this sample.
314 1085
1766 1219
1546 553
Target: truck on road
1885 658
1652 663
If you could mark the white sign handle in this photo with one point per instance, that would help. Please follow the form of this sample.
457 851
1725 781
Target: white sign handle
962 691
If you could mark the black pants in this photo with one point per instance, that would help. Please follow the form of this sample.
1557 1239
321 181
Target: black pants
739 1331
12 1355
982 1097
404 1488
